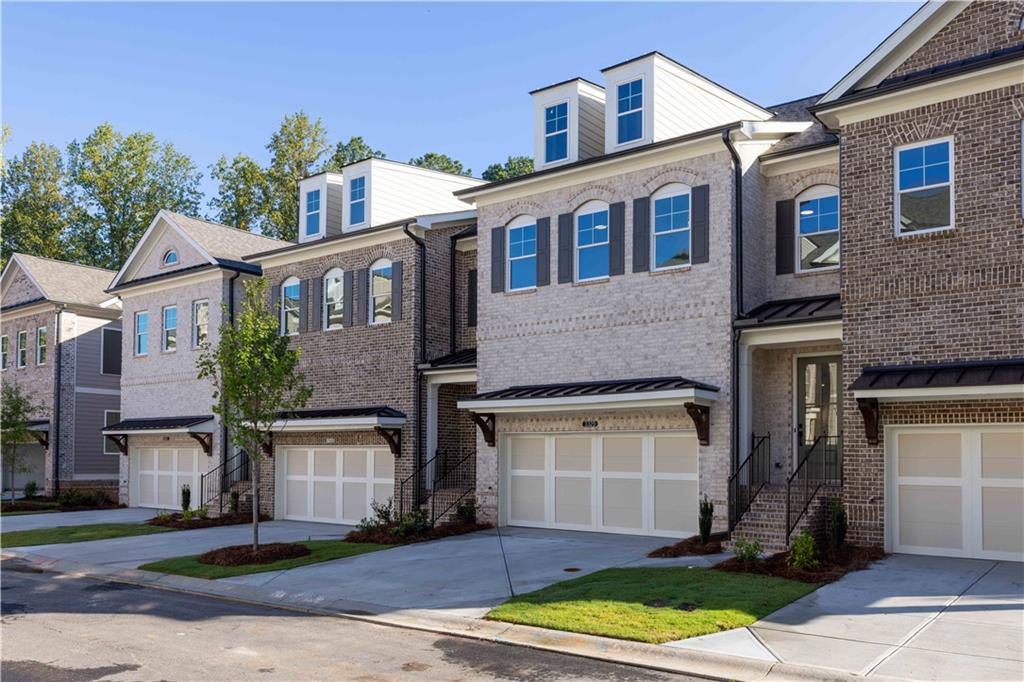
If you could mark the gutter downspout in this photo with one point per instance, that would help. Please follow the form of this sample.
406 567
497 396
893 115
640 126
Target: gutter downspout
231 319
737 235
421 301
55 441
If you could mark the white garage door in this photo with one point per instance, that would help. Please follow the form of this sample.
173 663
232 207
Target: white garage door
334 485
158 474
957 491
644 484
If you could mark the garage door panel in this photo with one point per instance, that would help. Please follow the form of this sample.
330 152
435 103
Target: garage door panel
296 496
527 498
931 516
675 455
622 503
325 463
297 463
165 490
573 454
353 496
675 505
354 464
382 491
165 460
146 483
622 454
572 501
932 455
325 494
147 459
383 464
1002 455
186 463
1002 520
527 454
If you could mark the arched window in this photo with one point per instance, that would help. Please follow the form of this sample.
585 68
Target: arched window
334 299
592 241
380 292
522 253
290 295
817 228
170 257
670 227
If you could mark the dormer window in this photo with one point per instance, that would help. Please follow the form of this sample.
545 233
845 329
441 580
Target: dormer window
357 201
556 132
171 257
312 212
630 111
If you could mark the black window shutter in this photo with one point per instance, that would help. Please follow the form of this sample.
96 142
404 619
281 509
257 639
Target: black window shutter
362 297
543 252
565 248
471 298
275 299
304 305
784 235
617 238
641 234
111 359
316 303
700 223
396 290
349 300
497 260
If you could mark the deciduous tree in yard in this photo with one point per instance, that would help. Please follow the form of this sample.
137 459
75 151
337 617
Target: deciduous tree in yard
350 152
440 162
34 214
16 409
241 198
255 375
295 149
512 168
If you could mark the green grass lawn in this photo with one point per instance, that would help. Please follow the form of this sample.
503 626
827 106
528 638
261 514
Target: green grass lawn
322 550
62 534
652 605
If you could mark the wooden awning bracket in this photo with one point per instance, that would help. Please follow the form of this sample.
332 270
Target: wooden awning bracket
870 412
121 441
393 436
486 424
701 416
205 441
42 437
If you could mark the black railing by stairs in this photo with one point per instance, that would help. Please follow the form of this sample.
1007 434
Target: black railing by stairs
414 485
455 481
821 465
748 479
232 474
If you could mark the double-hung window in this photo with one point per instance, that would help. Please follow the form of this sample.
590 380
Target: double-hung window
41 345
312 212
592 241
142 332
357 201
22 348
200 322
334 299
4 342
290 294
556 132
380 292
522 253
817 220
169 329
924 187
670 227
630 111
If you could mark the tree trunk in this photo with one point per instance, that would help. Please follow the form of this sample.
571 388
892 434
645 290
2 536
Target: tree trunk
255 464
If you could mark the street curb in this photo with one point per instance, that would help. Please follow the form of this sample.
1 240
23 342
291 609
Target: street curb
666 659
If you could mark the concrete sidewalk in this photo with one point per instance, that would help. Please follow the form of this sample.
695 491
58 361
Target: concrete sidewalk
80 518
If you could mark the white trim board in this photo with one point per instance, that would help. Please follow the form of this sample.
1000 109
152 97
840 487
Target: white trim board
895 395
335 424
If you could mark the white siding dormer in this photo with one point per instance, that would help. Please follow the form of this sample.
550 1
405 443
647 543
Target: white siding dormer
568 123
320 207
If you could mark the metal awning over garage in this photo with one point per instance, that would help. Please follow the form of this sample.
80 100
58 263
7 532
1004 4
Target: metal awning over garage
199 427
386 421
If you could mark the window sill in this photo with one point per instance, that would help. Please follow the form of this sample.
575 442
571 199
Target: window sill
925 233
817 271
595 280
669 271
521 292
379 324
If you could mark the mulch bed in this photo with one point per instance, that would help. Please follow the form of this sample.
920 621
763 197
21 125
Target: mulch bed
179 522
832 564
242 555
383 536
691 546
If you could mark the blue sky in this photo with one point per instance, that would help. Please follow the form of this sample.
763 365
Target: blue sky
217 78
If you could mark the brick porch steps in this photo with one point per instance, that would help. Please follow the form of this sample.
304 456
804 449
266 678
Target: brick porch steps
765 521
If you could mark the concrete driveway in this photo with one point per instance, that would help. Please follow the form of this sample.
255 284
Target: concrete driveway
81 518
912 617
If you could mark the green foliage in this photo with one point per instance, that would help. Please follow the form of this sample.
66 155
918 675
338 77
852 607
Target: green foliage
512 168
350 152
31 489
440 162
802 554
186 515
34 213
382 515
465 512
706 519
16 409
165 517
233 502
415 522
186 498
242 192
295 149
202 512
837 522
747 550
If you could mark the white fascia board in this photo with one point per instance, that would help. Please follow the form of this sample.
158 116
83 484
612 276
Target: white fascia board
174 282
466 244
595 402
896 395
799 161
450 375
791 334
203 427
335 424
769 130
33 309
326 247
428 221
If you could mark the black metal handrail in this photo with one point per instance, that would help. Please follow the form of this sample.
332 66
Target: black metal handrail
749 478
821 465
458 478
416 477
223 477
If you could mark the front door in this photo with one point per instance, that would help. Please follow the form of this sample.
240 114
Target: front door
817 404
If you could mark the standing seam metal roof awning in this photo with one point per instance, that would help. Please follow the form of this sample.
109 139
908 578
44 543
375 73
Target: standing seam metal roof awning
339 419
793 311
192 424
952 380
593 395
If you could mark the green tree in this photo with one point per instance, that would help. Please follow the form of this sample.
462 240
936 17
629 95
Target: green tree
120 182
16 409
241 192
295 149
34 214
254 375
512 168
350 152
440 162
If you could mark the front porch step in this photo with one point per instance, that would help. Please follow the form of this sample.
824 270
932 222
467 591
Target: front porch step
765 521
442 498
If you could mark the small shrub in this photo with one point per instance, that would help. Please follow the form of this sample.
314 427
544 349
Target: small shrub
71 497
747 551
233 502
202 512
98 498
466 511
165 517
836 523
802 554
31 489
186 498
707 517
186 515
415 522
383 515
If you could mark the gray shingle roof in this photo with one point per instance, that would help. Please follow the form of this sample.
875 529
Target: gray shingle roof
68 282
224 242
797 110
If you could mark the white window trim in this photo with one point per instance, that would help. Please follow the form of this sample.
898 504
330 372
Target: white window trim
374 266
167 253
568 120
164 329
103 343
815 192
366 187
674 189
582 211
521 221
306 234
195 323
135 337
282 314
40 348
22 341
106 439
897 197
4 351
642 109
333 273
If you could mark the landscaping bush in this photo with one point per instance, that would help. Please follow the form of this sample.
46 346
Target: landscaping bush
466 511
186 515
202 512
71 497
383 516
416 522
747 551
31 489
707 517
186 498
802 554
836 523
233 502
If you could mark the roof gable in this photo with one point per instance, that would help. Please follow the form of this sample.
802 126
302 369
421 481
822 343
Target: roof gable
27 278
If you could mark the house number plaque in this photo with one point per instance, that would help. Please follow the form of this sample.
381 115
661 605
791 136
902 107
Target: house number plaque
590 423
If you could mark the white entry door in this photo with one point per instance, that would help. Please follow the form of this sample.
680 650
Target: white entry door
638 483
956 491
158 474
332 485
